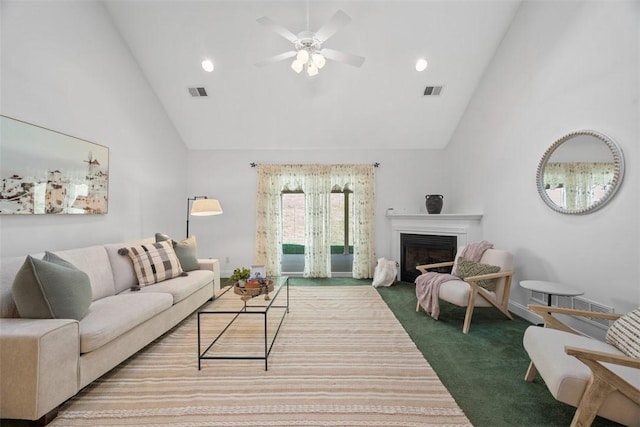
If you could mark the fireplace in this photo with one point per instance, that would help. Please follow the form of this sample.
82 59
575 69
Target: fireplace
456 229
418 249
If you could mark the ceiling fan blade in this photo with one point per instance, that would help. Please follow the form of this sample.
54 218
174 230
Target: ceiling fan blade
347 58
337 21
276 58
268 23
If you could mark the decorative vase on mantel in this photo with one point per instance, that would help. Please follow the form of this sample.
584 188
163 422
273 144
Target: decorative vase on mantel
434 203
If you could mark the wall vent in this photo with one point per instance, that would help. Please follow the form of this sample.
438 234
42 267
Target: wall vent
432 90
577 303
197 91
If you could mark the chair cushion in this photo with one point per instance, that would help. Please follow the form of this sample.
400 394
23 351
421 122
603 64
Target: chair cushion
566 377
457 292
51 288
624 333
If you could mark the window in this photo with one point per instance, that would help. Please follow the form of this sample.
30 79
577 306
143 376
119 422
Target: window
341 223
293 229
316 180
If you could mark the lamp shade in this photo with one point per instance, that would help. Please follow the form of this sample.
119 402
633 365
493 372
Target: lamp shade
204 207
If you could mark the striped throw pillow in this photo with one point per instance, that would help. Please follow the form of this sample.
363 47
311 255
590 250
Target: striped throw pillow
624 334
154 262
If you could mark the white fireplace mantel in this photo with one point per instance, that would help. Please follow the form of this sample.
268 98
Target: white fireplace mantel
466 227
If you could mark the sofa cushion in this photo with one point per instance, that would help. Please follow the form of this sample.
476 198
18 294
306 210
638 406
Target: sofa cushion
51 288
180 287
153 262
8 269
186 251
110 317
124 276
624 333
94 261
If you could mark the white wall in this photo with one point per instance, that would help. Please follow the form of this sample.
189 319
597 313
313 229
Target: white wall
64 67
563 66
402 180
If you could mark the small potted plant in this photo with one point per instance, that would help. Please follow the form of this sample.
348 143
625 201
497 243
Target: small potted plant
239 276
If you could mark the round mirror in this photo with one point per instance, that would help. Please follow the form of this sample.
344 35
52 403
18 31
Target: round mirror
580 172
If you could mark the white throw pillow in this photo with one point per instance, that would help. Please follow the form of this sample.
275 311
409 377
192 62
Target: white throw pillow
385 273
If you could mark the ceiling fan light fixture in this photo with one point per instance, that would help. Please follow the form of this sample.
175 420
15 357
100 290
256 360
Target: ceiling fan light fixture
302 56
312 70
297 66
318 60
307 45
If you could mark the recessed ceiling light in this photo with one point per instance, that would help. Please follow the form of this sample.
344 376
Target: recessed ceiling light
421 64
207 65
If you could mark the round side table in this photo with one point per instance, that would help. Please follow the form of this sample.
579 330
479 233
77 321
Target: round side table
551 288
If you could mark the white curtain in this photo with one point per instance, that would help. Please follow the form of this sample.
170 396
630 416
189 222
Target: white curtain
316 181
360 179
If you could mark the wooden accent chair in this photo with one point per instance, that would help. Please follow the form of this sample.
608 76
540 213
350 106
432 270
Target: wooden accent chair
466 292
596 377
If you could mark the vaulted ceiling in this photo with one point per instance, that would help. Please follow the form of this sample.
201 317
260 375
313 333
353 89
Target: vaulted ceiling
380 105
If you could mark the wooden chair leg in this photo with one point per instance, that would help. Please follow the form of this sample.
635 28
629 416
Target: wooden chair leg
418 307
467 319
593 397
470 304
531 373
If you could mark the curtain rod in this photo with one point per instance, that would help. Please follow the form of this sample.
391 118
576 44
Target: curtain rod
253 164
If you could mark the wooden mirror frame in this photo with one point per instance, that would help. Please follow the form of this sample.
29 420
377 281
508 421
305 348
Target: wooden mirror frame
616 181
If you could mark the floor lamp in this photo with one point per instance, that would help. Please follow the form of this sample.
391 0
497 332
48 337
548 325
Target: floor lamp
202 206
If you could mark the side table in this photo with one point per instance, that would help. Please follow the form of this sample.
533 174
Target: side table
550 288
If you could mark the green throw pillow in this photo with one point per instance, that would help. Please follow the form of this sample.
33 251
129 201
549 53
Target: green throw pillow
186 251
51 288
466 268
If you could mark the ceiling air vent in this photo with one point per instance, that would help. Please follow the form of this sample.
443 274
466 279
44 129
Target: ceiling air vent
197 91
432 90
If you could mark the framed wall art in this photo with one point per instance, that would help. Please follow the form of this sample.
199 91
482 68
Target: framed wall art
47 172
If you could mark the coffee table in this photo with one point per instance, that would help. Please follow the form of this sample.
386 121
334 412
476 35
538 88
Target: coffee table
239 309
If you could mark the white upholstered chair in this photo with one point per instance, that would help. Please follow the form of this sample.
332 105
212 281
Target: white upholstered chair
467 293
598 378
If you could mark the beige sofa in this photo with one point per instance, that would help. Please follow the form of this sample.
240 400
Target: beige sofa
44 362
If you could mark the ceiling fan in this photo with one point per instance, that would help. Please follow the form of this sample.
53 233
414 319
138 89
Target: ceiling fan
307 45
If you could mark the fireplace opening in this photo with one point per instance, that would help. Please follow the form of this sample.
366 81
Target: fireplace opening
419 249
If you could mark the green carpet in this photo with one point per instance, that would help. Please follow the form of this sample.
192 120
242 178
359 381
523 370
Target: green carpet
483 370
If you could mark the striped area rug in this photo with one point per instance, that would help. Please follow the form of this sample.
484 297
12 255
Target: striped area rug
340 359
